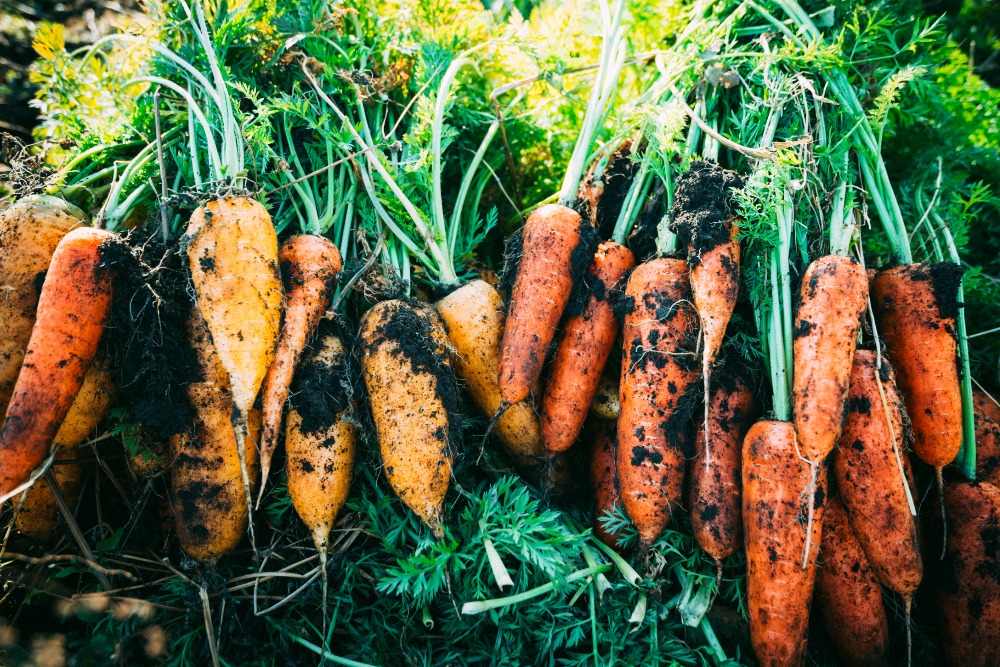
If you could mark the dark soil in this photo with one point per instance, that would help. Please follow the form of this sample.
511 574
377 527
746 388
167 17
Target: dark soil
642 240
582 257
946 277
151 356
702 206
321 392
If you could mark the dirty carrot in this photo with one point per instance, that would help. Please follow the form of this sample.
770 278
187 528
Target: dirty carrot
583 351
659 371
74 304
310 265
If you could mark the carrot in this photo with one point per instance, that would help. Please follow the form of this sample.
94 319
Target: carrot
987 447
986 404
211 507
834 295
310 265
605 404
233 258
848 595
967 586
916 308
38 514
30 230
583 351
716 486
658 372
868 467
776 484
474 317
603 475
542 287
73 306
701 218
414 403
320 440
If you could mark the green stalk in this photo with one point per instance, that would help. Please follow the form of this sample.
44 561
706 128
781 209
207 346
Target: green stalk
463 191
478 607
611 62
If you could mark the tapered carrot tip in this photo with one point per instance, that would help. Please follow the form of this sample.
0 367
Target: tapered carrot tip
541 291
834 295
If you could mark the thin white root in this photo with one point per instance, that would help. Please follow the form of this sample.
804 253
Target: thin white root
813 474
944 516
242 432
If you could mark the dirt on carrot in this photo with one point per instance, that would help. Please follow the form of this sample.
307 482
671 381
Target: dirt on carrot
151 356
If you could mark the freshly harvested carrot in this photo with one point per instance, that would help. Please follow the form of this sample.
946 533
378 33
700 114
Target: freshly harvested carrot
233 257
659 371
211 507
72 309
916 308
605 404
603 475
716 486
583 351
310 265
320 440
474 316
776 484
39 513
702 219
967 585
868 467
30 230
541 290
848 595
414 402
834 296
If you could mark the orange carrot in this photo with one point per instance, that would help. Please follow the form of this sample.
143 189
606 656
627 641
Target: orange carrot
658 373
540 293
868 467
583 351
73 307
310 265
916 308
848 595
776 484
987 447
701 218
716 486
968 587
834 296
986 404
30 230
603 475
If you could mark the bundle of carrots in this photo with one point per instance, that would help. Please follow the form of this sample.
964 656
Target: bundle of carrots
736 369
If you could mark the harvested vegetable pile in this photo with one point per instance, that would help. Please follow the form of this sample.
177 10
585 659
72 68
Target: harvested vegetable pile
628 332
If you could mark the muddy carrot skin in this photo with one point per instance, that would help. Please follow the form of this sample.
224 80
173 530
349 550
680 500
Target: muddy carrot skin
30 230
659 374
716 497
310 265
603 475
775 502
73 307
967 586
474 316
583 351
834 295
848 595
541 291
916 309
870 478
